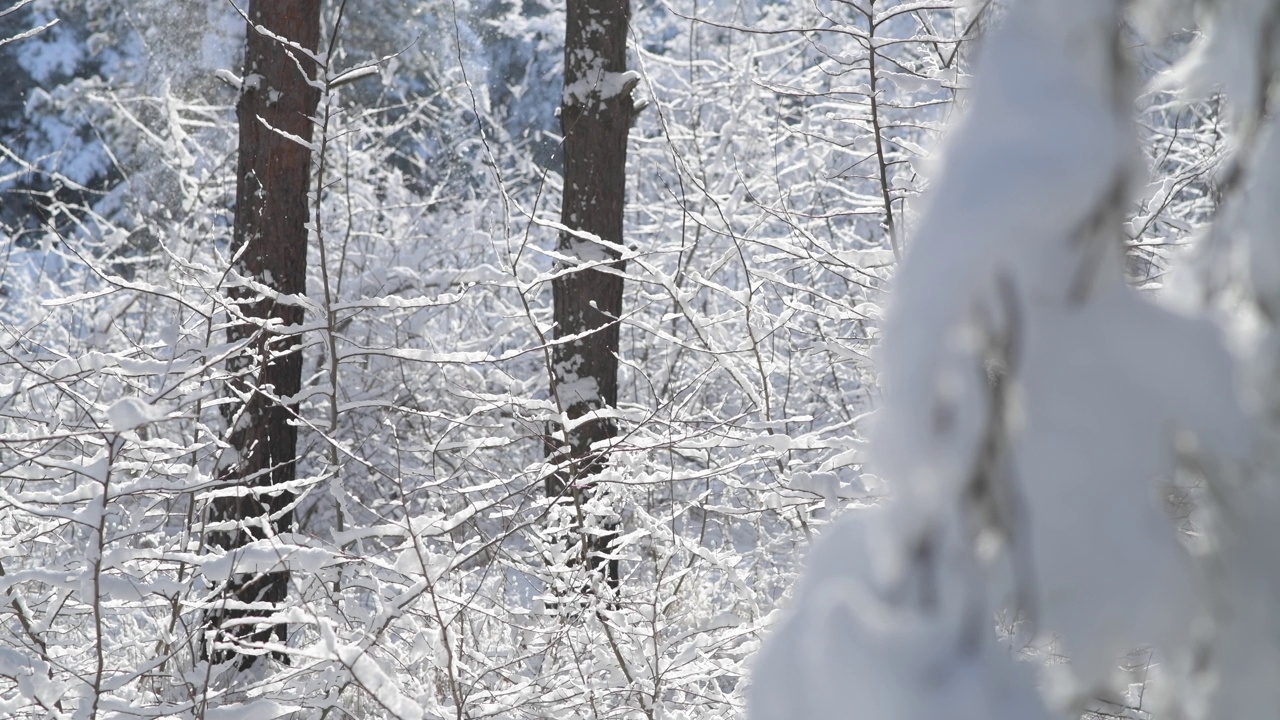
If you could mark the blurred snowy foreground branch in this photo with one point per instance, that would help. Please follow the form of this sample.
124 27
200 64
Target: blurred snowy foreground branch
1040 414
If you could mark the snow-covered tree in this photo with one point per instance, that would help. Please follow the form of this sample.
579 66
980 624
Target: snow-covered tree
596 111
779 161
280 89
1093 464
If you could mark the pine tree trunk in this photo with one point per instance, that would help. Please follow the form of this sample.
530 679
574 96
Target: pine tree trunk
270 247
595 116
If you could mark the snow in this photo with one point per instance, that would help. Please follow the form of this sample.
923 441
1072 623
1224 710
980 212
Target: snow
128 413
1240 258
263 556
1113 390
370 676
32 676
1016 272
1005 203
252 710
1034 414
352 75
874 636
58 53
914 83
596 82
573 390
1227 55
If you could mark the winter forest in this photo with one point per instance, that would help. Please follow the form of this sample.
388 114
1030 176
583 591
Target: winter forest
506 359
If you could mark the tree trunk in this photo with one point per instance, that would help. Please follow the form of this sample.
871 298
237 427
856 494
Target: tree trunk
595 115
270 248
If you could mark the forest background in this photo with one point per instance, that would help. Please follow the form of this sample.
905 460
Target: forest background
774 169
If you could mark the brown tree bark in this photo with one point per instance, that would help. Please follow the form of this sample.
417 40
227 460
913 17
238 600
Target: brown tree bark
270 248
595 115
